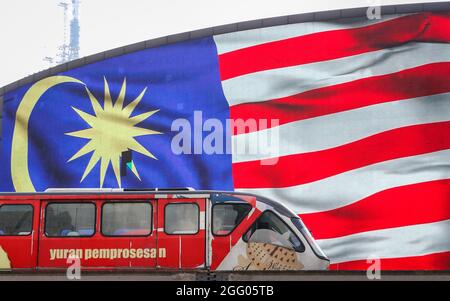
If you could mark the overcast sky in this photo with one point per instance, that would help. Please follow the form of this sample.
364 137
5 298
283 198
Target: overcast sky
33 29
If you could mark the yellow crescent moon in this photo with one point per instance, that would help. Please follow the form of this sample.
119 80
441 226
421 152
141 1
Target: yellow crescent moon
19 149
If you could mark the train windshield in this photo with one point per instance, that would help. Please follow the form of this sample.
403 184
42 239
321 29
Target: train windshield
269 228
301 227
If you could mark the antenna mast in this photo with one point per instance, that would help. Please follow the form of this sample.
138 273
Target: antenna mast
74 46
68 51
63 55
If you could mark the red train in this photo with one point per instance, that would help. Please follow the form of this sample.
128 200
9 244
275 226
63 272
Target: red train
169 229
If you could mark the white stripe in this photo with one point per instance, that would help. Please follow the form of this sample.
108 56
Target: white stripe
349 187
398 242
202 220
242 39
336 129
282 82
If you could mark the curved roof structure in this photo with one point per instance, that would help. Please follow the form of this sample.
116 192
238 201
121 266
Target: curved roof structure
228 28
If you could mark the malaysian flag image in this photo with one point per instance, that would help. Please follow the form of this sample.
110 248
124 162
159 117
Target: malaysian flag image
359 110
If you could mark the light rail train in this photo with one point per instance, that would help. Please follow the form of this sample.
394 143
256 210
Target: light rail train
112 229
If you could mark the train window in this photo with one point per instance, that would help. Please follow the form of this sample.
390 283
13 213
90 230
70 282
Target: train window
70 219
16 220
226 217
181 218
127 219
269 228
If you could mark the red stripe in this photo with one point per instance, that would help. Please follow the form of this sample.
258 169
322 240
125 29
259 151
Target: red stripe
409 83
436 261
396 207
308 167
321 46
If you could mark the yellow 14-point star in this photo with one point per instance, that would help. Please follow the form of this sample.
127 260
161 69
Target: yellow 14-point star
111 132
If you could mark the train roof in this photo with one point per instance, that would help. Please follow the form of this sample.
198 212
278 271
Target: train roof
179 192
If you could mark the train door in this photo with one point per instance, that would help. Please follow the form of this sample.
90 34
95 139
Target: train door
101 233
18 236
181 235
